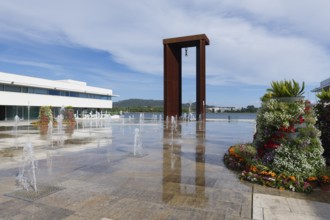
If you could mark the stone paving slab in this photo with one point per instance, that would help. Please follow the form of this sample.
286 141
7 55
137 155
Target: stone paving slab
31 195
282 208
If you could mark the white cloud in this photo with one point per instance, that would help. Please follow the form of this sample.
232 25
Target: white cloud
251 42
302 17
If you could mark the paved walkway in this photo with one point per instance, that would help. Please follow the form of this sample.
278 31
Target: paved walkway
275 204
179 176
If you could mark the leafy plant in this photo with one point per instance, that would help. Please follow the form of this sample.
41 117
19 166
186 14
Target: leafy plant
324 95
286 88
69 115
239 156
45 115
267 97
287 148
297 161
322 109
309 131
324 176
245 151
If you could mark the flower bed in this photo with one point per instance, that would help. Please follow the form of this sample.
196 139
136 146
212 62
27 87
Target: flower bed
244 159
287 147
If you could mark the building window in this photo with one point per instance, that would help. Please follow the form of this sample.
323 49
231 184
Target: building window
40 91
30 90
74 94
35 90
11 88
54 92
83 95
25 89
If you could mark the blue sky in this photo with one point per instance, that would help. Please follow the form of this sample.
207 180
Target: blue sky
118 44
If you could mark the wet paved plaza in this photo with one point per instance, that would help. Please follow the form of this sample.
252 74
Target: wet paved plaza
179 173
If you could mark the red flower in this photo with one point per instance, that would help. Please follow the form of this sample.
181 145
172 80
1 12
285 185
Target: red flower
307 107
271 145
301 119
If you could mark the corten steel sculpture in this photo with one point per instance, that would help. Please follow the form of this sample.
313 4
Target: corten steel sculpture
173 74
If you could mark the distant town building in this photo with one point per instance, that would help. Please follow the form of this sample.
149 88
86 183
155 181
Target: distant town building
20 94
221 109
325 84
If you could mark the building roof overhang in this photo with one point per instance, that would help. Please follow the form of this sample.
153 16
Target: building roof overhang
63 85
325 84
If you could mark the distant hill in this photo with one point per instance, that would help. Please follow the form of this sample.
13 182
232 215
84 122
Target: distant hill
150 105
143 103
138 103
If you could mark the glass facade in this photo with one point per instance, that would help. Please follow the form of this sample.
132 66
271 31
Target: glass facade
32 112
35 90
9 112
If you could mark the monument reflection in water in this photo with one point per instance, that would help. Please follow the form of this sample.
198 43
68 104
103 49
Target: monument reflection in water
173 167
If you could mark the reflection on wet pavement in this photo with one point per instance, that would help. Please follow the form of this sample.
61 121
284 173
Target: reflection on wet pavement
181 176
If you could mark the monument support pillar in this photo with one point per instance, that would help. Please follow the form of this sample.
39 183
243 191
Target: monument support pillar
172 80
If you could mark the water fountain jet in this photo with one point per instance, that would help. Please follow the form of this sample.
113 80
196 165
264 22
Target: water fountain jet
27 176
16 129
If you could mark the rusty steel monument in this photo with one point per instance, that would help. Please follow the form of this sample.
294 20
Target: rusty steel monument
173 74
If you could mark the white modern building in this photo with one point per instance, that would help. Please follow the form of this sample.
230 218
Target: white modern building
20 94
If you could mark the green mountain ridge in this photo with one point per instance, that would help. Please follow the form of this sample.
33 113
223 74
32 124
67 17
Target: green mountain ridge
150 105
138 103
143 103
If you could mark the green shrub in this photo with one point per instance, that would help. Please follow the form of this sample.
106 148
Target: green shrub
324 95
286 88
322 110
